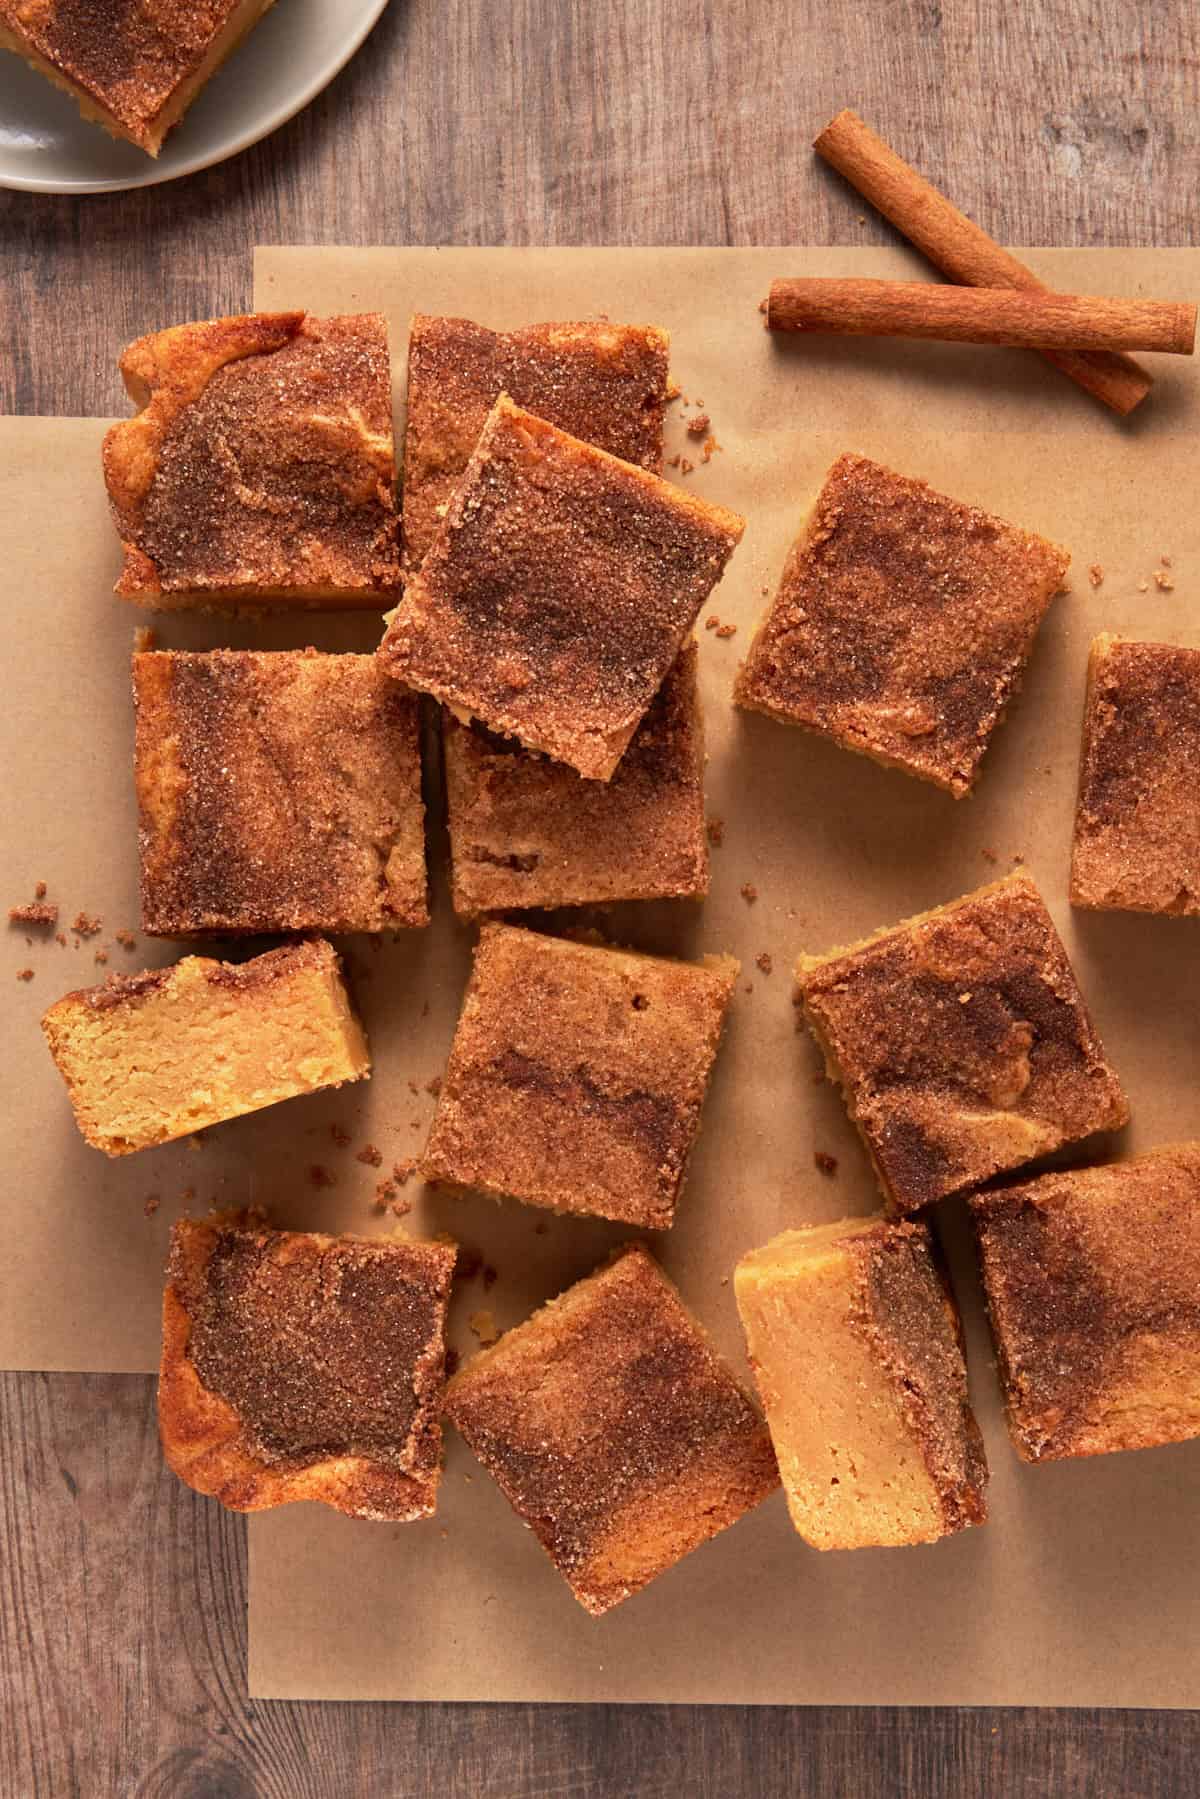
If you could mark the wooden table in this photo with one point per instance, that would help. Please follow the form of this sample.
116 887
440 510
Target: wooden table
123 1602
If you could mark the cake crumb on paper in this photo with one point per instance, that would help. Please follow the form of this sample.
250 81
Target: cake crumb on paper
763 961
369 1156
749 892
700 425
86 923
24 974
484 1326
824 1162
1096 574
320 1177
35 914
715 830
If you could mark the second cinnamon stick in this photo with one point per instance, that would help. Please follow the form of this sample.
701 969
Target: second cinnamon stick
1029 320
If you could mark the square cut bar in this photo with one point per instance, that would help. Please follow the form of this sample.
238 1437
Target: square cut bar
604 383
277 791
902 624
134 70
1137 824
614 1430
856 1346
151 1057
1092 1278
577 1075
557 593
260 469
526 831
961 1043
298 1366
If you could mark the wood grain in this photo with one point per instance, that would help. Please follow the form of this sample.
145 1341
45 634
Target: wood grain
122 1602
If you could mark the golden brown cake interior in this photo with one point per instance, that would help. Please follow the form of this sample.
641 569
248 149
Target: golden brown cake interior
577 1075
260 468
602 382
526 831
902 623
856 1349
559 590
1137 825
134 70
1092 1277
277 791
961 1043
151 1057
300 1366
615 1430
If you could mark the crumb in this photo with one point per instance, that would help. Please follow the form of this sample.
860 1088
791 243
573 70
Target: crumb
764 591
61 937
152 1204
400 1208
712 622
425 1007
1096 574
340 1135
699 401
36 914
434 1087
24 974
470 1261
749 892
370 1156
685 467
39 891
762 305
715 829
726 630
189 1195
484 1326
1143 587
86 924
490 1277
404 1171
415 1125
709 448
1017 856
101 956
989 855
452 1361
673 462
320 1177
673 391
862 218
764 962
413 1088
964 999
1165 560
380 1201
444 1533
1163 581
540 1228
749 986
145 637
824 1162
698 427
126 939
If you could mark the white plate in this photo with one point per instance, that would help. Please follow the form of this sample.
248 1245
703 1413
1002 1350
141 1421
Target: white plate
297 49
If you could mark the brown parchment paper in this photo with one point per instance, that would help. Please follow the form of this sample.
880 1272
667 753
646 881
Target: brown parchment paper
1082 1588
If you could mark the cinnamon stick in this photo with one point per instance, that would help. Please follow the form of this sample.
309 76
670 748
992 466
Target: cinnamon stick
961 249
981 315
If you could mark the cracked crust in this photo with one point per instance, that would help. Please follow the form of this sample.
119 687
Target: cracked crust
299 1366
1092 1279
132 68
604 383
277 791
961 1043
902 625
526 831
260 468
614 1430
577 1076
1137 823
559 590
